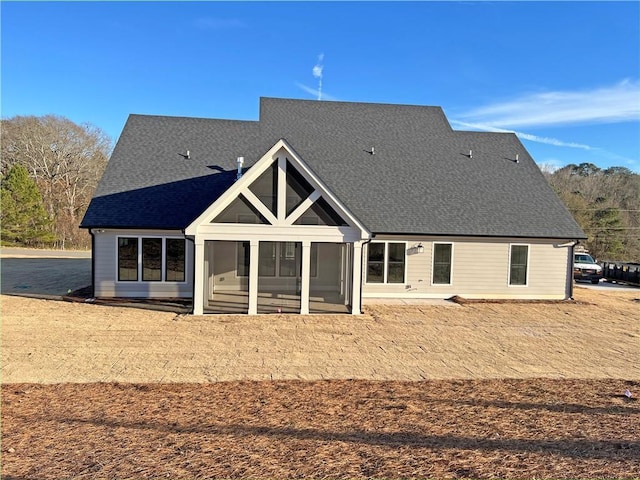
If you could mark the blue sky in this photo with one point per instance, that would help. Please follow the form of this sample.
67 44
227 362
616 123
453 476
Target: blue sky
564 75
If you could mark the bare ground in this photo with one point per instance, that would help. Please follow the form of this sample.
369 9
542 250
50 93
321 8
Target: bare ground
483 412
47 341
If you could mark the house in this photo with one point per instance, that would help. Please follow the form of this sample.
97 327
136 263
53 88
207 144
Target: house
319 206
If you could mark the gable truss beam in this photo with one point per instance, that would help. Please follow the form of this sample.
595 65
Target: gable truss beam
261 207
303 207
282 188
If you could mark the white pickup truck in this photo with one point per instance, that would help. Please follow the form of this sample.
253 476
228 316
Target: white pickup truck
586 268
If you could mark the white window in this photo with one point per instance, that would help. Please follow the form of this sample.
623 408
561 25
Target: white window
386 262
151 259
518 265
442 259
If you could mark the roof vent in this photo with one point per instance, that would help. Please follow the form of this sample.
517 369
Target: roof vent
470 153
517 158
240 163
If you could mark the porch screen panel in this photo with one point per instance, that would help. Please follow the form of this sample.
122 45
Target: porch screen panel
442 263
314 260
290 259
321 213
151 259
175 260
395 269
265 187
243 252
298 189
375 263
127 259
267 259
240 211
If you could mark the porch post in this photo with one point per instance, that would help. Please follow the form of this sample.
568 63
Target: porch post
198 277
356 308
254 259
306 277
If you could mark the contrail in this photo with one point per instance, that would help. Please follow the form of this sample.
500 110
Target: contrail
317 72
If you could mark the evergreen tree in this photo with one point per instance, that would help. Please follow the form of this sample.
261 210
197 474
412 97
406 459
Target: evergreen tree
24 219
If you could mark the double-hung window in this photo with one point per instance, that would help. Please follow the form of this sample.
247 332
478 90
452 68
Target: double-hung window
151 259
442 254
386 262
518 264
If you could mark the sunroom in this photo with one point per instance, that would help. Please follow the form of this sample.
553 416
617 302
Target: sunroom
277 241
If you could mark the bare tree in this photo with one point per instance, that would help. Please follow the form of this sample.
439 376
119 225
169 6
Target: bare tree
65 159
605 205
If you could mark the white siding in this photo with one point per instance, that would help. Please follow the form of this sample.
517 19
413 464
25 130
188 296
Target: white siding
106 265
480 269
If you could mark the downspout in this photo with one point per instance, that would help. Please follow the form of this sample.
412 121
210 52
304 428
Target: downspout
362 269
193 273
570 267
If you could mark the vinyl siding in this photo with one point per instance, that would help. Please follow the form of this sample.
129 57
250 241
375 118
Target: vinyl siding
106 265
480 269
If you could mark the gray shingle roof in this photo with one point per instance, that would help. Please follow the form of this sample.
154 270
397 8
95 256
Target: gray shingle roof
420 179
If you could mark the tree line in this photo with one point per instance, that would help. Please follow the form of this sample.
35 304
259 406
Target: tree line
50 169
606 204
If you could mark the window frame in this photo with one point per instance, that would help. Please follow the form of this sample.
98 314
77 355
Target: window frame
433 264
527 265
139 266
385 264
138 259
165 260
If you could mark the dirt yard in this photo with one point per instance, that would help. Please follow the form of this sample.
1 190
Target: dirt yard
472 391
47 341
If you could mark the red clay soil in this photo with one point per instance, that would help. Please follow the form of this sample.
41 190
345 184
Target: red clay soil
537 428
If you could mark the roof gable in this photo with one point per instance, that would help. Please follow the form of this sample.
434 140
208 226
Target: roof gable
284 158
